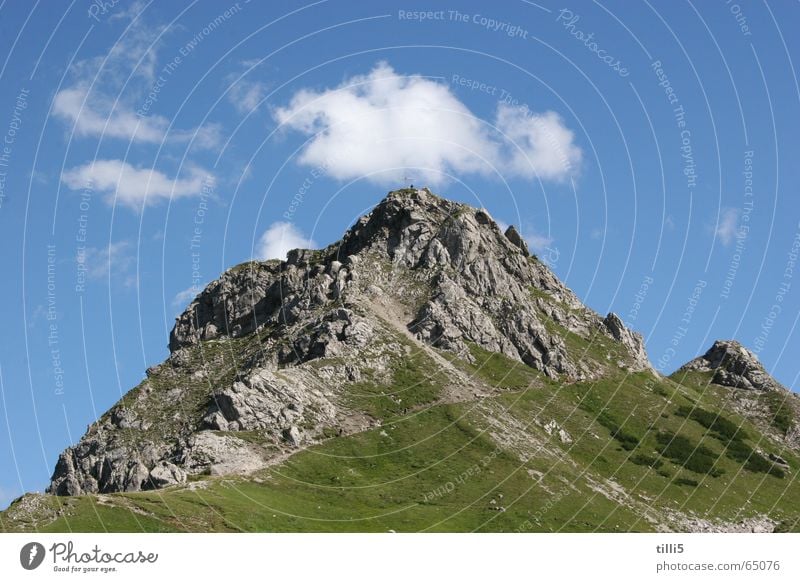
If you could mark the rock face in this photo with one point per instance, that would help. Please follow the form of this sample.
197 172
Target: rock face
261 361
517 240
734 365
632 341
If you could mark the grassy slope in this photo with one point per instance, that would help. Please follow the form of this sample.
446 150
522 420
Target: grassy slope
438 469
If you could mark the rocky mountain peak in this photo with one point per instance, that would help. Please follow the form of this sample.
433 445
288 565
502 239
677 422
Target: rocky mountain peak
408 219
734 365
462 279
272 347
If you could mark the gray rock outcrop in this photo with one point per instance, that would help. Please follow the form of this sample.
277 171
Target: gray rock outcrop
633 342
734 365
517 240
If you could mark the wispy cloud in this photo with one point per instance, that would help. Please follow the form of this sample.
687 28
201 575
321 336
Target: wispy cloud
244 93
99 116
115 121
135 187
134 55
112 96
537 242
114 259
183 298
279 238
379 124
727 226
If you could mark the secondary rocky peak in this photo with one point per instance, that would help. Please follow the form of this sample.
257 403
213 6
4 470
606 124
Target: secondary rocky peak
517 240
632 341
734 365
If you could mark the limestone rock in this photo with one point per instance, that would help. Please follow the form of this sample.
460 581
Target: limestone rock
165 474
553 428
215 454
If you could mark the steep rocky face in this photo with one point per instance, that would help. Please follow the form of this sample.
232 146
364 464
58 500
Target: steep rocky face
470 283
262 361
631 340
734 365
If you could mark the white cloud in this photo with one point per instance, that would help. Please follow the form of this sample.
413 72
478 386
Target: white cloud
727 226
279 238
135 187
385 123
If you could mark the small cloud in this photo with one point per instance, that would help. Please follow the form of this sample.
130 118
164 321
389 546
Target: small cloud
503 225
40 177
727 226
183 298
131 12
597 233
114 259
280 238
245 95
537 242
135 187
379 124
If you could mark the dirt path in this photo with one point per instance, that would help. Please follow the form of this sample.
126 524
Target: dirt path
461 386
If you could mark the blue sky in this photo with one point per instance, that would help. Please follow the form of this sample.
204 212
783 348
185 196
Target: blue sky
646 150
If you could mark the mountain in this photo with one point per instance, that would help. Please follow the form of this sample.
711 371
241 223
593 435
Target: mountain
426 372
